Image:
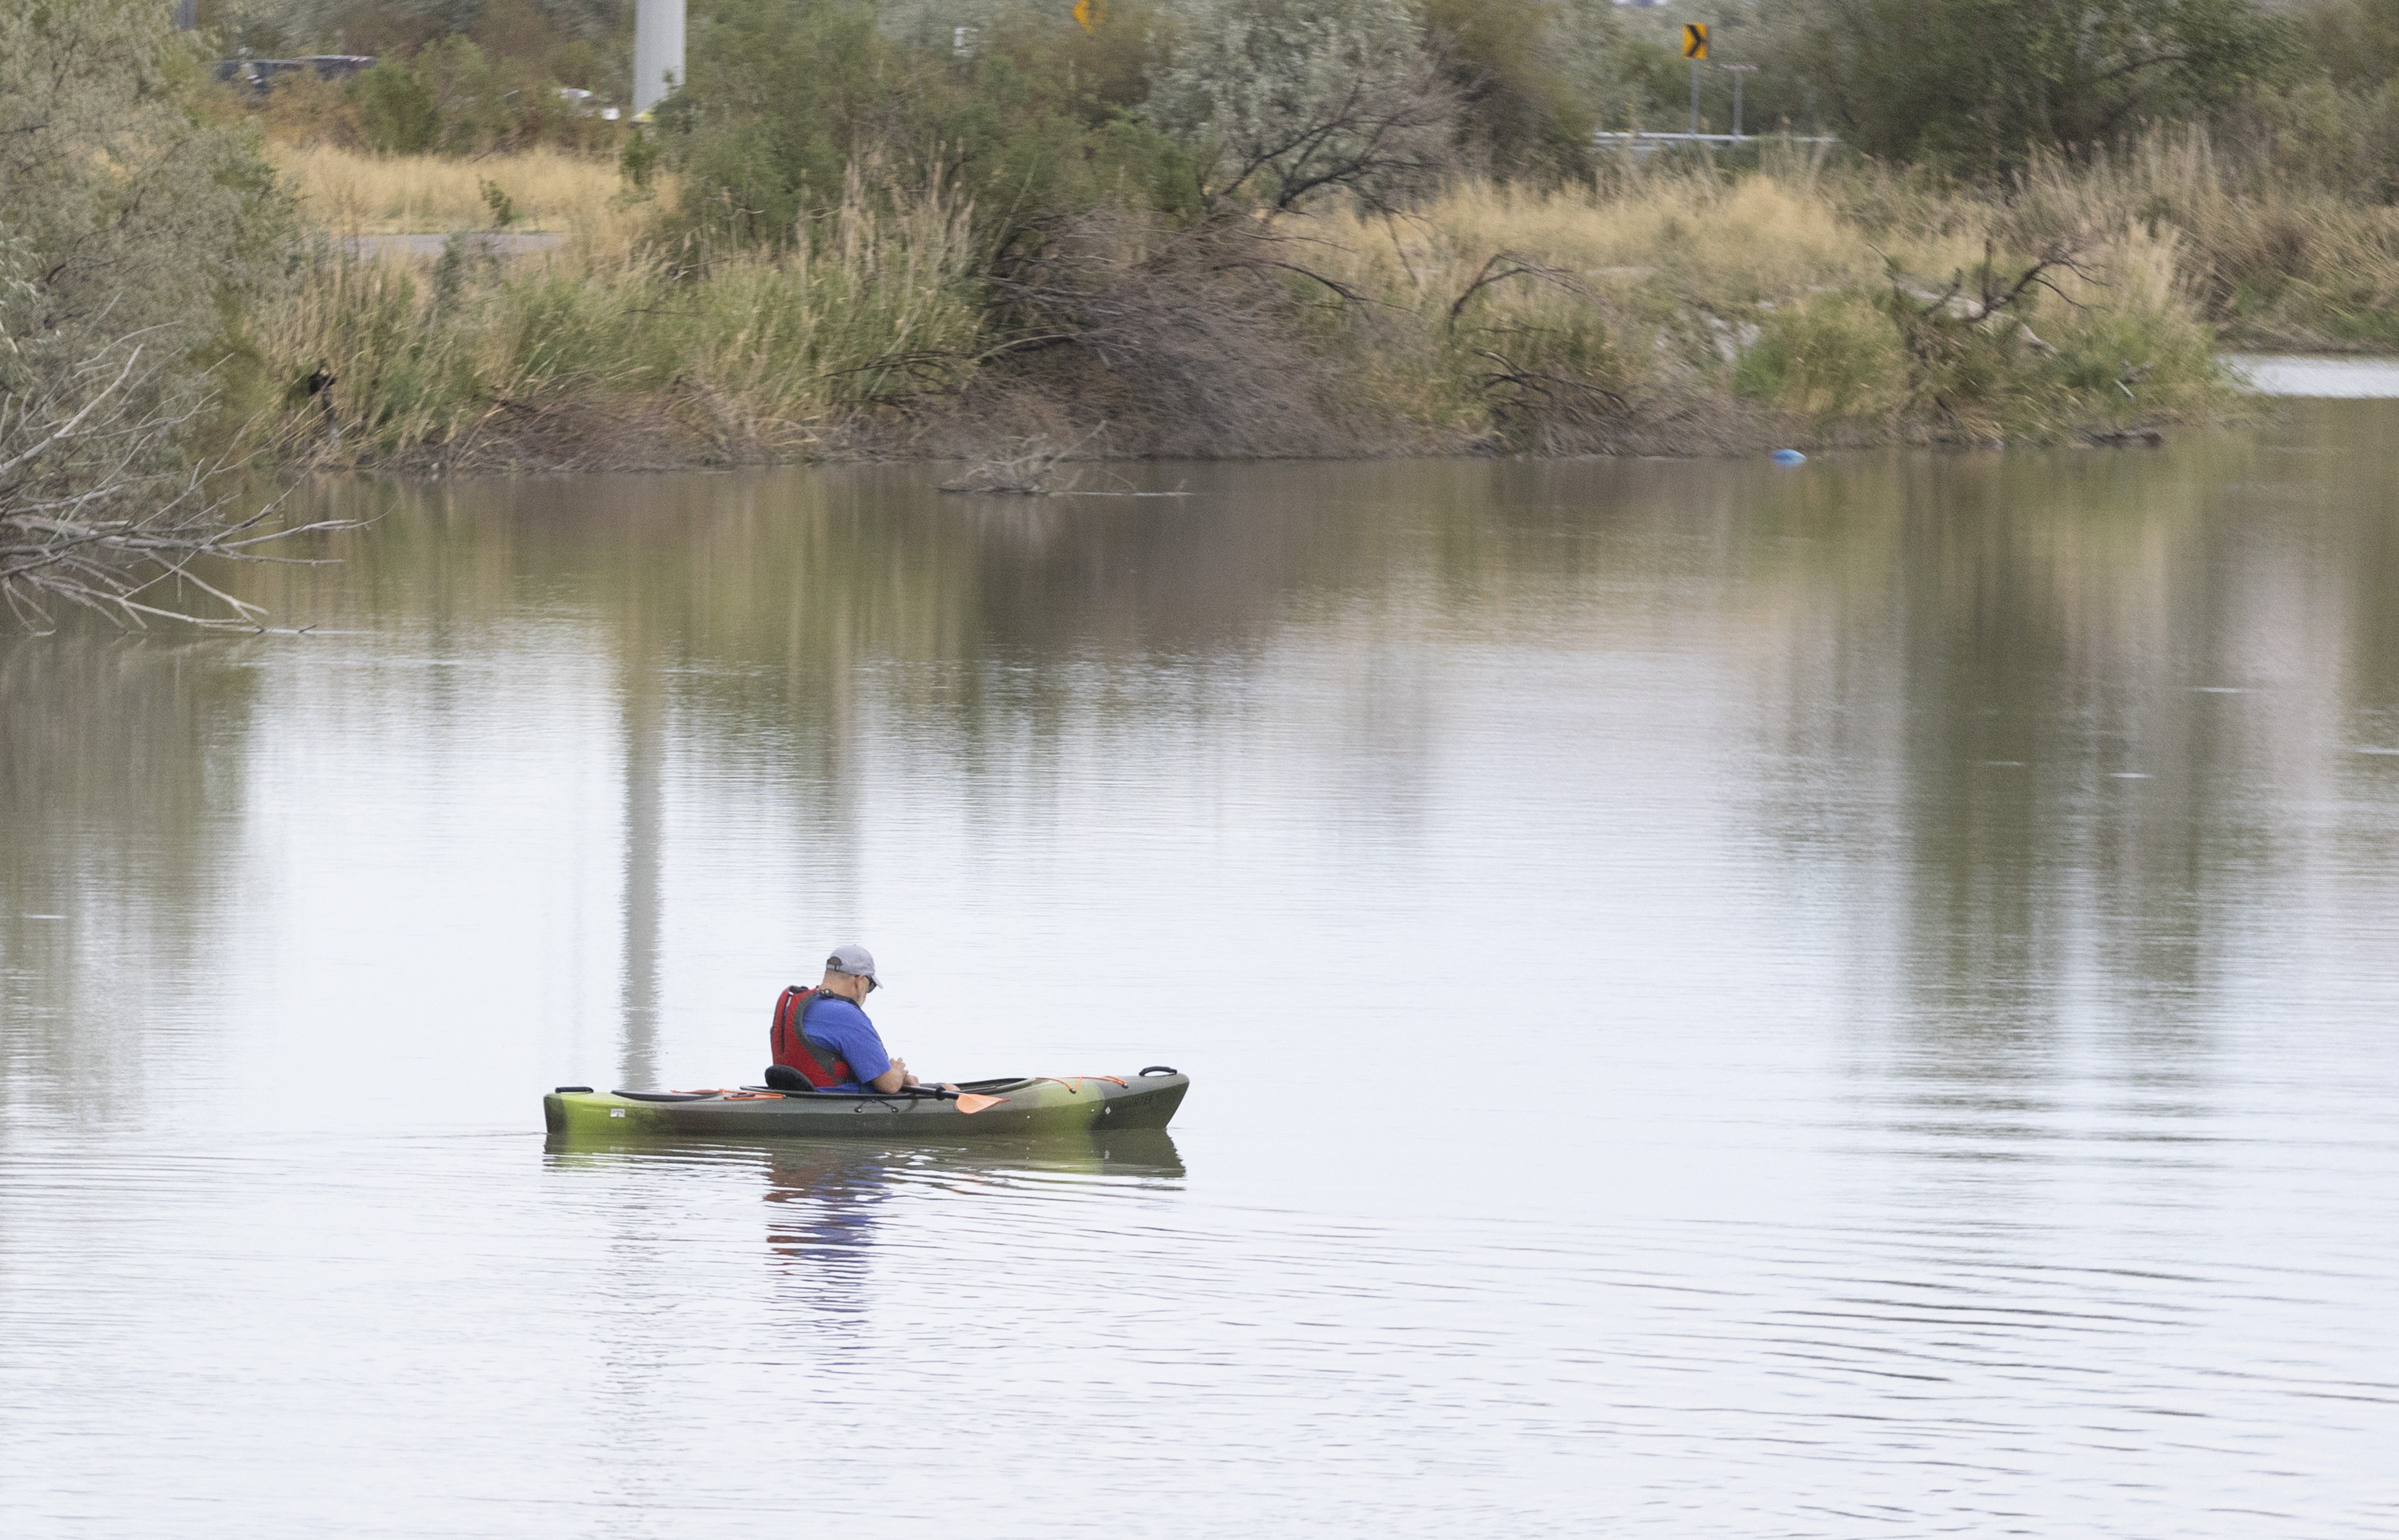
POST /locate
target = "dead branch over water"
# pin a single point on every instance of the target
(90, 518)
(1025, 468)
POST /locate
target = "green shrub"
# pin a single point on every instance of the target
(1827, 358)
(786, 96)
(1978, 85)
(1522, 115)
(397, 112)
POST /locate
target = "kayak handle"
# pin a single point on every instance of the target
(1161, 1069)
(565, 1091)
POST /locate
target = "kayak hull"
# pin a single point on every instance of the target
(1026, 1106)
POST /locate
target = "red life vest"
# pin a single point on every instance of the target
(818, 1066)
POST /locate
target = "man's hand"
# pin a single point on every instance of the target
(897, 1079)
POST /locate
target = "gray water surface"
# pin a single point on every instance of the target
(2337, 378)
(1722, 1002)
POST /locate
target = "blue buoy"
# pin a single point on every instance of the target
(1789, 457)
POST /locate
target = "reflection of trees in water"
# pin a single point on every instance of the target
(784, 639)
(120, 783)
(1980, 658)
(644, 755)
(2368, 493)
(1951, 656)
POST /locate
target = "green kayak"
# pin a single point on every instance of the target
(1035, 1105)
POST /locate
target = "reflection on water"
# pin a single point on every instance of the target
(2332, 379)
(1721, 1003)
(824, 1198)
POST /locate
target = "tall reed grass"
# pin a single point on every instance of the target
(2271, 259)
(1759, 303)
(593, 356)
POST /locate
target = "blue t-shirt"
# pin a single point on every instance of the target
(843, 1030)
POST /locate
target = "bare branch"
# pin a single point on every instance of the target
(67, 430)
(99, 509)
(1520, 266)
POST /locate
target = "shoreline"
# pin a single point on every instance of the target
(507, 458)
(954, 443)
(1682, 314)
(657, 439)
(493, 463)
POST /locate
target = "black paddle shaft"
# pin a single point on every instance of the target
(934, 1091)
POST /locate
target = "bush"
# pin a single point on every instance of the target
(132, 232)
(129, 211)
(1979, 84)
(1521, 116)
(1827, 358)
(786, 96)
(609, 355)
(397, 110)
(1291, 99)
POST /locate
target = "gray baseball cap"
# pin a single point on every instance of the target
(853, 960)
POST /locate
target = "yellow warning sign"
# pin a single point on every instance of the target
(1695, 37)
(1092, 14)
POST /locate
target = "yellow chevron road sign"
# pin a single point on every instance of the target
(1695, 39)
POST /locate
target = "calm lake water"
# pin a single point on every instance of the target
(1723, 1002)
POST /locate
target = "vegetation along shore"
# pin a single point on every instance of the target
(1212, 227)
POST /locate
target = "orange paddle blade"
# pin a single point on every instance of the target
(969, 1102)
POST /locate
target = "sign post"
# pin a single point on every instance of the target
(1737, 70)
(1695, 48)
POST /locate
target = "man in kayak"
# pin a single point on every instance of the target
(842, 1051)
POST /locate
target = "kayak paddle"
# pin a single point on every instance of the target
(969, 1102)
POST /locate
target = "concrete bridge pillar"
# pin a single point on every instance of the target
(658, 52)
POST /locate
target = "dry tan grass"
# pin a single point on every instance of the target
(1730, 242)
(347, 192)
(597, 356)
(1756, 236)
(1584, 318)
(2273, 259)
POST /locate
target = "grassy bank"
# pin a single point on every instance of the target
(347, 192)
(611, 350)
(1685, 312)
(1654, 311)
(2271, 259)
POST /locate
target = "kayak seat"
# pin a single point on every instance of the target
(782, 1077)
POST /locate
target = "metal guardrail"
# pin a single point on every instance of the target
(259, 74)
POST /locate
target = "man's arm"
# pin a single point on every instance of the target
(843, 1027)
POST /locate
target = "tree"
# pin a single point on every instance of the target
(130, 233)
(788, 97)
(1979, 84)
(1521, 117)
(1289, 98)
(2356, 42)
(98, 507)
